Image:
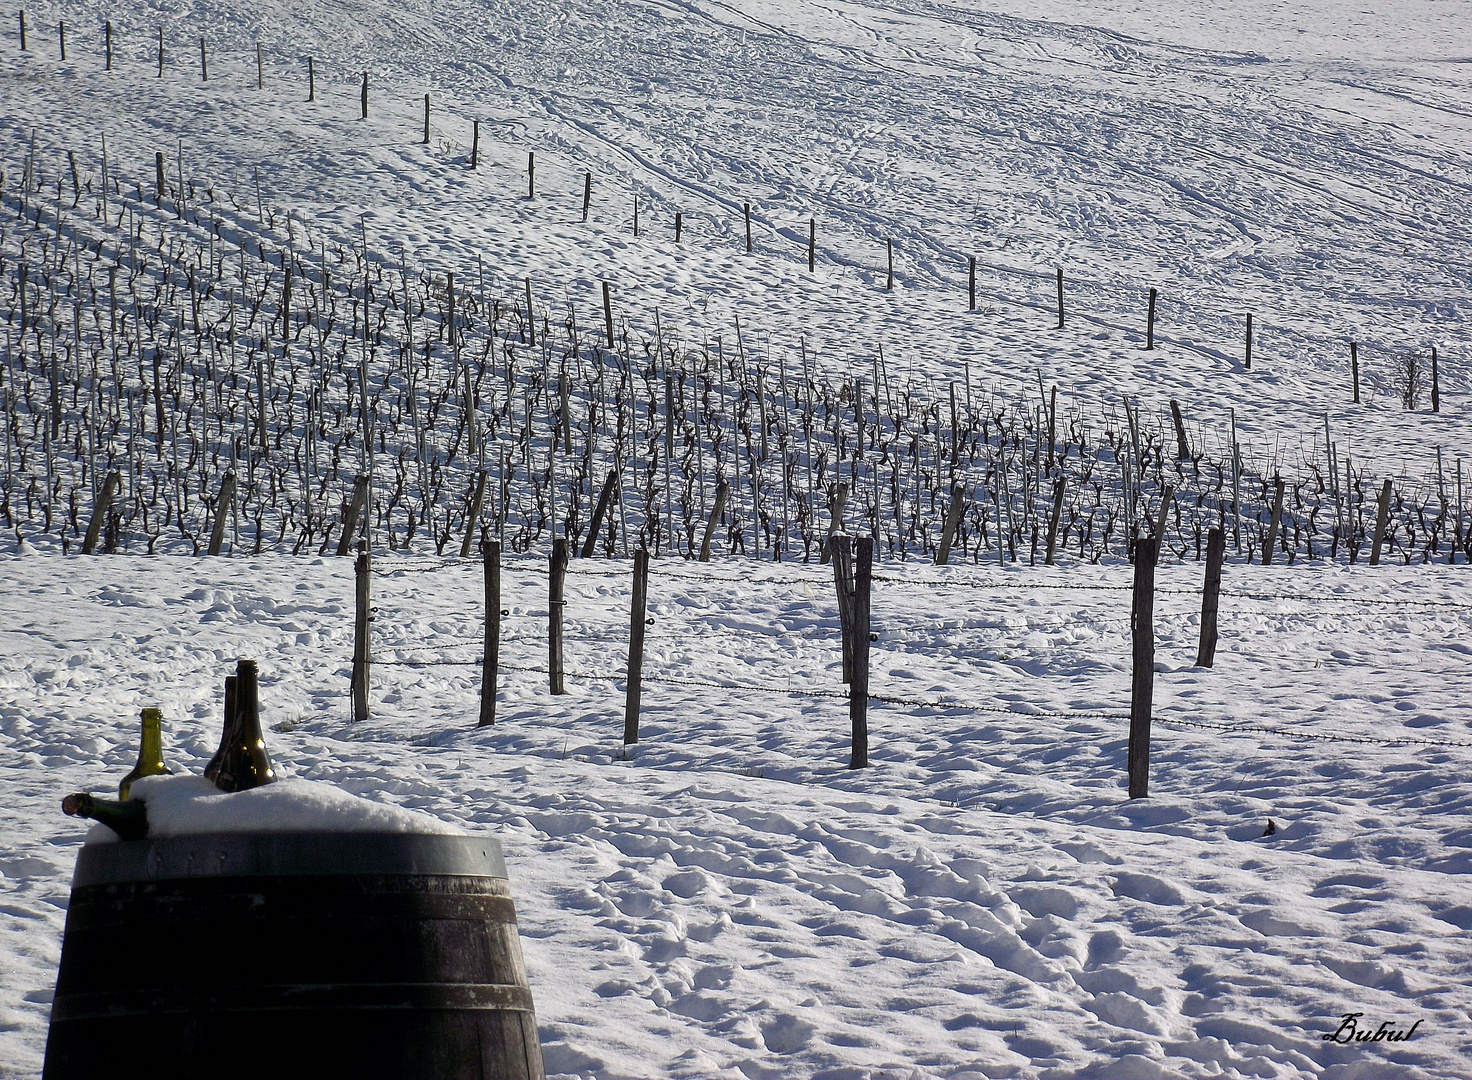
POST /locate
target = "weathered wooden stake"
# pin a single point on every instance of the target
(858, 687)
(636, 646)
(605, 499)
(812, 243)
(889, 254)
(953, 521)
(1060, 298)
(1216, 550)
(1382, 519)
(158, 180)
(678, 220)
(1435, 383)
(1142, 681)
(426, 119)
(160, 52)
(365, 96)
(1274, 523)
(723, 492)
(1247, 355)
(1166, 494)
(363, 617)
(1058, 488)
(835, 519)
(99, 512)
(1183, 447)
(474, 143)
(608, 316)
(350, 517)
(587, 193)
(491, 553)
(204, 67)
(531, 318)
(311, 79)
(472, 522)
(556, 592)
(222, 512)
(746, 210)
(107, 42)
(1150, 323)
(531, 175)
(22, 30)
(260, 68)
(1354, 369)
(636, 215)
(840, 548)
(971, 282)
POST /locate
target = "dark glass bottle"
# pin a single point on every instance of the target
(150, 753)
(227, 731)
(128, 819)
(245, 764)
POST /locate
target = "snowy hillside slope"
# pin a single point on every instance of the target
(730, 900)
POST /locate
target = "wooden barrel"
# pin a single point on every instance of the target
(324, 955)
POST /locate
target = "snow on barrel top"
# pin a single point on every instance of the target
(191, 805)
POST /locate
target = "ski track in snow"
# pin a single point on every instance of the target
(730, 901)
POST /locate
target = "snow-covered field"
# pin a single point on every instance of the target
(728, 899)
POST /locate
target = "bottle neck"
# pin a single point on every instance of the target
(151, 746)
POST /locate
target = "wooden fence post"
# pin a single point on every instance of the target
(858, 687)
(1142, 682)
(1058, 488)
(362, 651)
(636, 646)
(491, 552)
(723, 492)
(605, 498)
(1060, 298)
(608, 316)
(556, 592)
(1274, 522)
(1354, 369)
(99, 512)
(1216, 550)
(222, 512)
(952, 522)
(350, 517)
(843, 585)
(1382, 518)
(1150, 323)
(472, 522)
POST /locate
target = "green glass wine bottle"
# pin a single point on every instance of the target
(227, 731)
(245, 764)
(150, 753)
(128, 819)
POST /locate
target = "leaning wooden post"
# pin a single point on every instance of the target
(858, 687)
(608, 315)
(362, 653)
(1166, 494)
(1274, 523)
(835, 520)
(746, 211)
(843, 586)
(204, 68)
(636, 646)
(1183, 447)
(350, 517)
(1216, 550)
(222, 512)
(605, 499)
(1150, 323)
(1142, 683)
(556, 591)
(1058, 487)
(491, 551)
(952, 523)
(723, 492)
(472, 522)
(587, 193)
(99, 512)
(971, 282)
(365, 96)
(1382, 519)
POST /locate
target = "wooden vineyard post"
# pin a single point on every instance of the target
(491, 553)
(160, 52)
(608, 315)
(107, 42)
(204, 68)
(472, 522)
(1060, 298)
(812, 243)
(889, 254)
(835, 520)
(858, 687)
(362, 654)
(556, 592)
(1354, 369)
(587, 194)
(356, 506)
(311, 77)
(1142, 682)
(1150, 323)
(636, 646)
(1382, 519)
(746, 211)
(843, 585)
(605, 498)
(531, 175)
(531, 318)
(99, 512)
(953, 522)
(1166, 494)
(723, 492)
(636, 215)
(474, 143)
(365, 96)
(260, 68)
(971, 283)
(426, 119)
(1183, 447)
(22, 30)
(1247, 354)
(1435, 383)
(1058, 488)
(158, 176)
(1274, 522)
(679, 225)
(1216, 550)
(222, 512)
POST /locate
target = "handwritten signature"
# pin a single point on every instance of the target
(1353, 1029)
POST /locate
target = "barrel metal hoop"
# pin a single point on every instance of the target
(324, 996)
